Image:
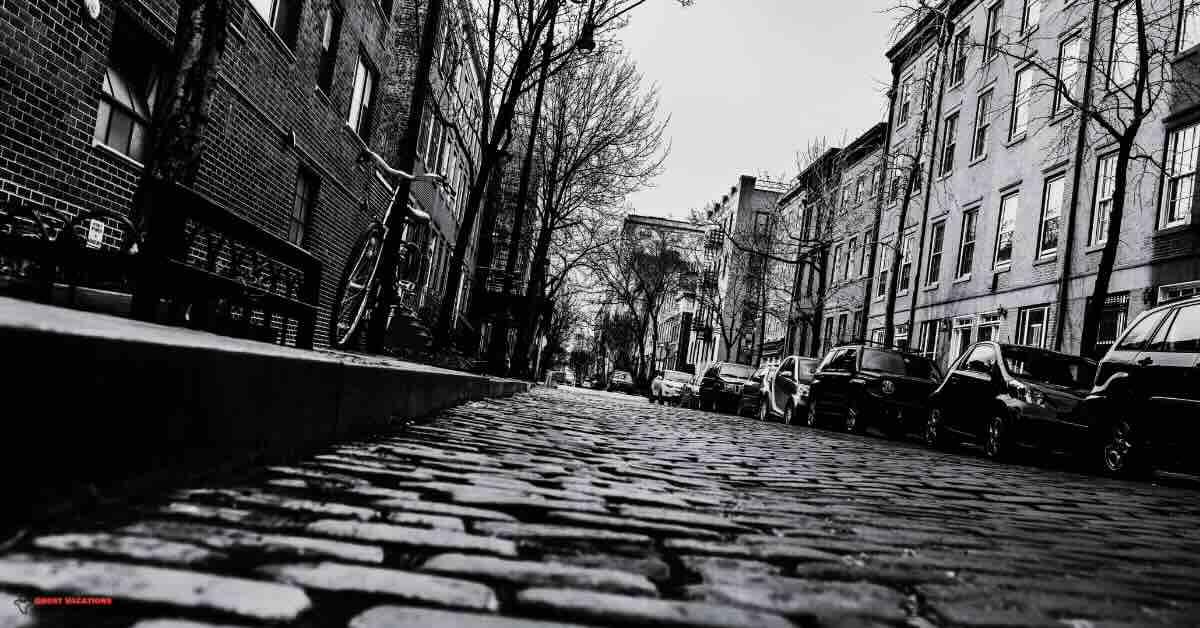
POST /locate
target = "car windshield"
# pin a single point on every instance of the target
(806, 367)
(676, 376)
(898, 364)
(1048, 368)
(740, 371)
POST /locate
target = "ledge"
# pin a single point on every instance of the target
(113, 401)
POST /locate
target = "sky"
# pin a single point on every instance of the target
(748, 83)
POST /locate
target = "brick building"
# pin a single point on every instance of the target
(298, 81)
(1010, 217)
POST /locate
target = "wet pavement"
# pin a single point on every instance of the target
(571, 507)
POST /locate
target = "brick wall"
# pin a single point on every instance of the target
(268, 118)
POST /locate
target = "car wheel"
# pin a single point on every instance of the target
(789, 413)
(995, 440)
(1119, 454)
(933, 433)
(853, 418)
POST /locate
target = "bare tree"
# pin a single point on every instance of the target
(504, 38)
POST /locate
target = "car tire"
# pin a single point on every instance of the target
(1118, 454)
(852, 418)
(996, 442)
(934, 432)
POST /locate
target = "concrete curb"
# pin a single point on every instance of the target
(95, 400)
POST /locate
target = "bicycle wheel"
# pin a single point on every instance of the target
(356, 287)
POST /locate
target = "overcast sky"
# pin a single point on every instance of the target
(748, 82)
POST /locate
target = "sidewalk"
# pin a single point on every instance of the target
(94, 402)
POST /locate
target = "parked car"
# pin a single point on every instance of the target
(564, 378)
(667, 386)
(1004, 396)
(749, 403)
(721, 385)
(785, 389)
(689, 392)
(1144, 410)
(621, 381)
(865, 384)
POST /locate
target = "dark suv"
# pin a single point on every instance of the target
(721, 385)
(865, 384)
(1003, 395)
(1144, 410)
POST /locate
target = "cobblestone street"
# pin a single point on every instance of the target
(572, 507)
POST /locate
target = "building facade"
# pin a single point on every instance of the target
(1009, 219)
(730, 322)
(300, 86)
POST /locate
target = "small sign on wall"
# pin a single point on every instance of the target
(95, 236)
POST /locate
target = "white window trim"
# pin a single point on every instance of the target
(1162, 290)
(1046, 253)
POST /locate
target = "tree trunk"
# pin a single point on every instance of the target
(531, 311)
(1108, 257)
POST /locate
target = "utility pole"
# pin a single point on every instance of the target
(405, 159)
(498, 346)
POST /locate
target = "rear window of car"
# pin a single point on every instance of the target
(1048, 368)
(806, 367)
(898, 364)
(737, 370)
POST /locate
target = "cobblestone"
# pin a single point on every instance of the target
(596, 509)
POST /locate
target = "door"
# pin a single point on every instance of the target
(1169, 379)
(972, 388)
(783, 385)
(835, 384)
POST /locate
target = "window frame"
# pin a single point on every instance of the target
(1171, 178)
(997, 264)
(905, 110)
(1022, 337)
(937, 246)
(1057, 103)
(303, 206)
(973, 213)
(1181, 45)
(905, 263)
(983, 122)
(362, 122)
(1097, 228)
(1061, 179)
(288, 32)
(1020, 103)
(949, 144)
(993, 31)
(960, 53)
(1030, 18)
(1112, 82)
(328, 46)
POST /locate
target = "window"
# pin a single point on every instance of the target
(981, 360)
(1123, 61)
(302, 205)
(862, 255)
(875, 172)
(828, 334)
(905, 263)
(1052, 200)
(1183, 147)
(900, 336)
(928, 80)
(1178, 290)
(877, 335)
(1031, 14)
(1022, 86)
(885, 265)
(1112, 320)
(1068, 73)
(1031, 326)
(949, 144)
(992, 43)
(966, 245)
(846, 360)
(958, 68)
(833, 268)
(960, 336)
(929, 339)
(937, 235)
(850, 250)
(1106, 175)
(1137, 335)
(1183, 335)
(841, 332)
(983, 124)
(989, 326)
(1009, 205)
(127, 97)
(905, 98)
(281, 16)
(449, 53)
(1189, 25)
(330, 34)
(760, 225)
(362, 98)
(856, 324)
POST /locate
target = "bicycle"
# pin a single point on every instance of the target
(32, 242)
(359, 283)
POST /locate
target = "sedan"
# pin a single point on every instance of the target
(750, 402)
(1004, 396)
(785, 390)
(667, 386)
